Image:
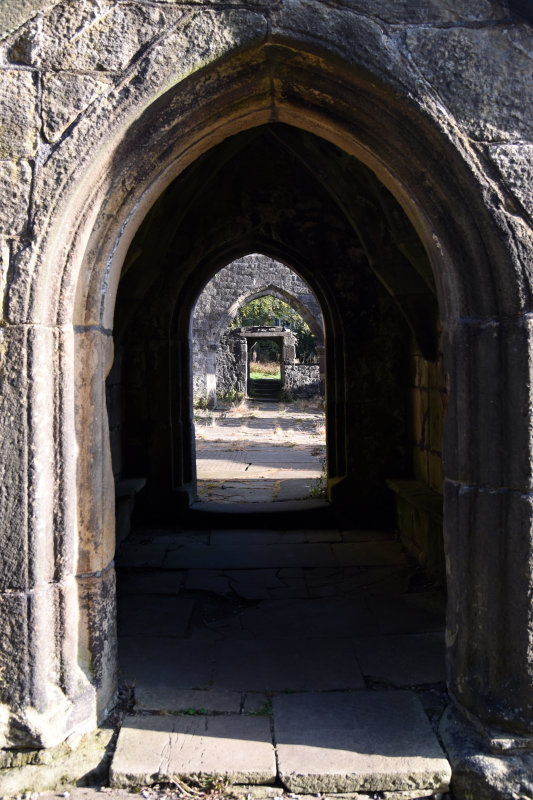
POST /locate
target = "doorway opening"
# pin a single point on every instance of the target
(258, 391)
(336, 596)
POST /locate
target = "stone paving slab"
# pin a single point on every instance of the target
(167, 698)
(154, 615)
(207, 580)
(139, 581)
(249, 557)
(351, 581)
(254, 584)
(368, 553)
(419, 612)
(295, 488)
(281, 665)
(135, 554)
(403, 660)
(236, 748)
(331, 617)
(358, 741)
(181, 663)
(240, 537)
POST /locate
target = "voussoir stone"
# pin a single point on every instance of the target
(91, 36)
(465, 54)
(66, 95)
(515, 163)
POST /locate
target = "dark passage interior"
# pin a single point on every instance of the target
(346, 596)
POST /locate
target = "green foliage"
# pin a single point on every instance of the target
(286, 396)
(269, 370)
(270, 311)
(319, 487)
(264, 711)
(193, 712)
(201, 402)
(231, 396)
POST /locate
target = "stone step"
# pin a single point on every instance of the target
(153, 748)
(359, 741)
(367, 741)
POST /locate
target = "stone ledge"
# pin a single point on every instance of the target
(419, 512)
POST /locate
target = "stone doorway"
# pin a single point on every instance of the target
(394, 186)
(258, 402)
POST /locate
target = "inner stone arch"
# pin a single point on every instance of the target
(235, 285)
(270, 193)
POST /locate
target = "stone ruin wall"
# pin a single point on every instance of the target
(231, 360)
(76, 80)
(232, 287)
(302, 380)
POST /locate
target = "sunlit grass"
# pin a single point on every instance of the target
(268, 370)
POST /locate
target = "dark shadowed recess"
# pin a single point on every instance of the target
(297, 198)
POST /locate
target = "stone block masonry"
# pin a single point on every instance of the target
(248, 278)
(384, 151)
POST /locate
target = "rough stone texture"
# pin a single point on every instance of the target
(231, 368)
(66, 95)
(477, 772)
(18, 112)
(426, 109)
(98, 35)
(14, 652)
(15, 185)
(515, 163)
(231, 288)
(302, 380)
(79, 761)
(371, 741)
(97, 653)
(236, 748)
(465, 54)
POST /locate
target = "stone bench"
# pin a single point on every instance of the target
(419, 513)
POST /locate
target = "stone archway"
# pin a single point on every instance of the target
(470, 211)
(231, 288)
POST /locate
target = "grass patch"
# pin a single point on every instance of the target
(269, 370)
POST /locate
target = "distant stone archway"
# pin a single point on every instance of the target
(234, 286)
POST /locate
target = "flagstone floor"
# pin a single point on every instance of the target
(260, 452)
(310, 658)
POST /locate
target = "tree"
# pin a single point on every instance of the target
(269, 311)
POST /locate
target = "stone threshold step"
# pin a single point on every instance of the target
(336, 742)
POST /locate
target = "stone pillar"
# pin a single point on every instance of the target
(95, 574)
(211, 375)
(58, 652)
(488, 522)
(321, 352)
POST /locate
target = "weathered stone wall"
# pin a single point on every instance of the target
(232, 287)
(429, 398)
(302, 380)
(231, 364)
(411, 127)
